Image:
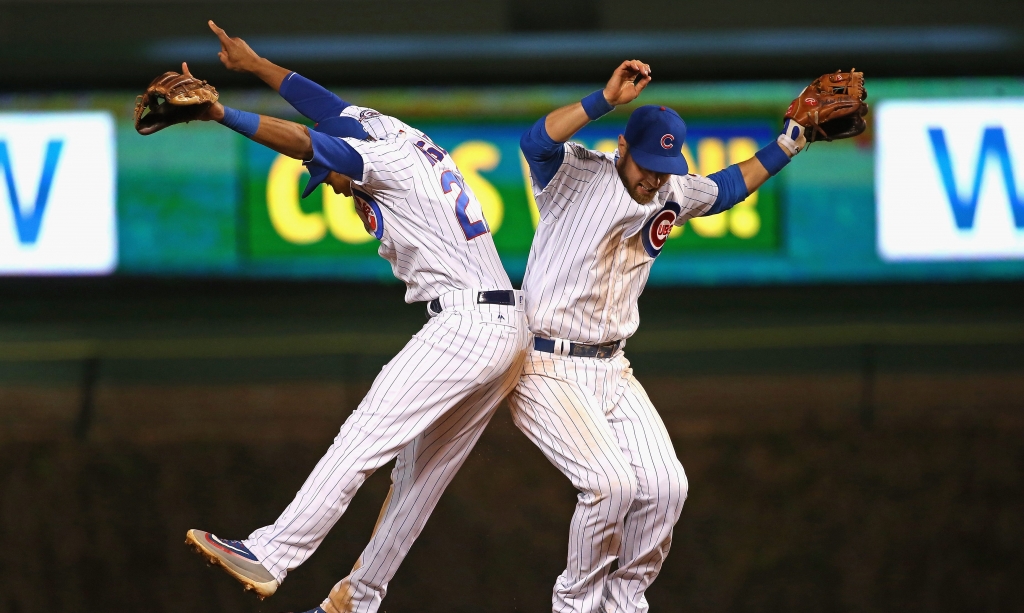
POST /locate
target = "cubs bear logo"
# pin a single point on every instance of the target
(369, 211)
(368, 114)
(655, 232)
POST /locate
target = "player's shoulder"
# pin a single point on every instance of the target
(579, 151)
(587, 160)
(379, 126)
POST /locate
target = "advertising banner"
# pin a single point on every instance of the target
(947, 179)
(57, 193)
(325, 224)
(929, 192)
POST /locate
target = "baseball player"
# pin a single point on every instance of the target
(604, 220)
(429, 405)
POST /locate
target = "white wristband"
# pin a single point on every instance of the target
(792, 138)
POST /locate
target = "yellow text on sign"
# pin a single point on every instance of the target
(299, 227)
(473, 157)
(339, 216)
(713, 155)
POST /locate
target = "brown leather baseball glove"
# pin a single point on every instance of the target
(832, 107)
(172, 98)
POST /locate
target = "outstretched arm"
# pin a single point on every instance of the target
(285, 137)
(307, 97)
(542, 144)
(282, 136)
(738, 181)
(237, 55)
(625, 85)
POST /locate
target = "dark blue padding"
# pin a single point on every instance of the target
(543, 154)
(731, 189)
(546, 345)
(337, 155)
(310, 98)
(497, 296)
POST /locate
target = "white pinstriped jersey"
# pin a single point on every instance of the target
(594, 246)
(413, 199)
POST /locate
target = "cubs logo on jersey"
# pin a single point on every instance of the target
(655, 232)
(369, 211)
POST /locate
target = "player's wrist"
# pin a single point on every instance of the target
(255, 65)
(596, 105)
(215, 112)
(243, 122)
(773, 157)
(792, 139)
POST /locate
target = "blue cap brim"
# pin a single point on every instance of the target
(675, 165)
(317, 174)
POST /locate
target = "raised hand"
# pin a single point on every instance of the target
(212, 112)
(628, 80)
(234, 53)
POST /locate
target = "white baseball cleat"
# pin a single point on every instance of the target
(236, 559)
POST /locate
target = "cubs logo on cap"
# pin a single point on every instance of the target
(655, 232)
(655, 135)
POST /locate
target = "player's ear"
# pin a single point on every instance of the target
(623, 147)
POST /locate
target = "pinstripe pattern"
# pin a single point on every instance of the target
(593, 420)
(428, 407)
(423, 240)
(423, 471)
(430, 404)
(588, 265)
(590, 260)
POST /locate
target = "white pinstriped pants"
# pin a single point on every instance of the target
(428, 407)
(594, 421)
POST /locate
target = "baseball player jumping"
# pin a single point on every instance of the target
(429, 405)
(604, 220)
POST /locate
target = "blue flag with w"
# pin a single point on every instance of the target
(993, 144)
(28, 224)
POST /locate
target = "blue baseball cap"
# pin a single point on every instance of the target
(655, 135)
(341, 127)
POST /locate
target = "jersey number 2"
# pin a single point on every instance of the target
(472, 229)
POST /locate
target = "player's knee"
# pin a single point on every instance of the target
(620, 488)
(673, 488)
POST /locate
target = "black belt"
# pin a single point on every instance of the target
(506, 297)
(579, 350)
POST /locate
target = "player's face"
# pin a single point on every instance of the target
(642, 184)
(340, 183)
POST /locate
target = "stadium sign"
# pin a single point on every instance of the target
(57, 193)
(947, 177)
(281, 225)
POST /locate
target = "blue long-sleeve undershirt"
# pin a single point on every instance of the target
(334, 153)
(310, 98)
(544, 155)
(731, 189)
